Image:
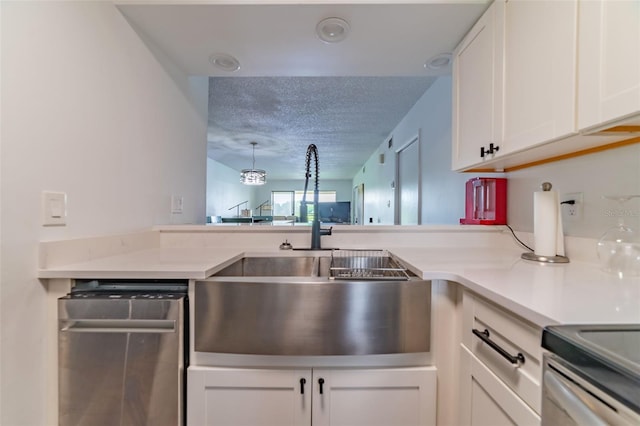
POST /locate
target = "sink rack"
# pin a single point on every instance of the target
(366, 265)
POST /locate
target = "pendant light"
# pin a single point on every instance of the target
(253, 176)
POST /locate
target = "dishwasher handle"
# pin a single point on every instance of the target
(570, 402)
(118, 326)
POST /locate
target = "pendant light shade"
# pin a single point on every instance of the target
(253, 176)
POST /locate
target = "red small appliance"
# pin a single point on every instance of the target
(486, 202)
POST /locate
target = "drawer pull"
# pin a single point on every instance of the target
(484, 336)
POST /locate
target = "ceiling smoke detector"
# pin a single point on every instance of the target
(224, 62)
(438, 62)
(332, 30)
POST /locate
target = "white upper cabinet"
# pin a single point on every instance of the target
(609, 62)
(477, 91)
(544, 79)
(540, 45)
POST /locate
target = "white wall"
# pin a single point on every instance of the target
(224, 190)
(1, 207)
(612, 172)
(87, 110)
(442, 190)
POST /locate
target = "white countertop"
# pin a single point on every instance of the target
(573, 293)
(161, 263)
(544, 294)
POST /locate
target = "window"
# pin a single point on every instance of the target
(287, 203)
(282, 203)
(323, 197)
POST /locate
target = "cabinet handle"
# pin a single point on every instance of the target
(484, 336)
(492, 148)
(320, 383)
(302, 382)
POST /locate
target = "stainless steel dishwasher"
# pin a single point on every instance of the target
(591, 375)
(121, 353)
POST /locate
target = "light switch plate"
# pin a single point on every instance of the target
(54, 208)
(176, 204)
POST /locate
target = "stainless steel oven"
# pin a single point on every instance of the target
(591, 375)
(122, 358)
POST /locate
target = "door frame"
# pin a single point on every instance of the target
(358, 205)
(396, 213)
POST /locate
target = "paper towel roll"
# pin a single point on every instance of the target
(545, 222)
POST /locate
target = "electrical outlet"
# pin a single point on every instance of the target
(572, 206)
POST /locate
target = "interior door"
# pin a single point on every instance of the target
(358, 205)
(408, 184)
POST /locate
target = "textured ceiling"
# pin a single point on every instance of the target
(346, 117)
(292, 89)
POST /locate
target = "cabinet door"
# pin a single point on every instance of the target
(608, 61)
(234, 397)
(540, 72)
(486, 401)
(477, 89)
(374, 397)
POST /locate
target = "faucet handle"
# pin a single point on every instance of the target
(286, 245)
(326, 231)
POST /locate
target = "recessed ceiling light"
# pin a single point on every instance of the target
(225, 62)
(438, 62)
(332, 30)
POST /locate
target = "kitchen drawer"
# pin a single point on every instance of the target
(515, 336)
(486, 400)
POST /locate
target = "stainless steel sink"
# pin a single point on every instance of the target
(290, 306)
(280, 266)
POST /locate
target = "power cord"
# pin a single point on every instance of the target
(518, 239)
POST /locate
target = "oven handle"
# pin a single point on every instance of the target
(577, 410)
(118, 326)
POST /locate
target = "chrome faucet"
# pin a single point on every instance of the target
(316, 230)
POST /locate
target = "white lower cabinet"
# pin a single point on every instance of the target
(486, 400)
(257, 397)
(322, 397)
(500, 366)
(375, 397)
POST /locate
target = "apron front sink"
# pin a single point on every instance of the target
(311, 315)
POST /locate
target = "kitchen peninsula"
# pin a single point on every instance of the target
(488, 263)
(476, 271)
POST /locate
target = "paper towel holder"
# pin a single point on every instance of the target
(546, 186)
(546, 259)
